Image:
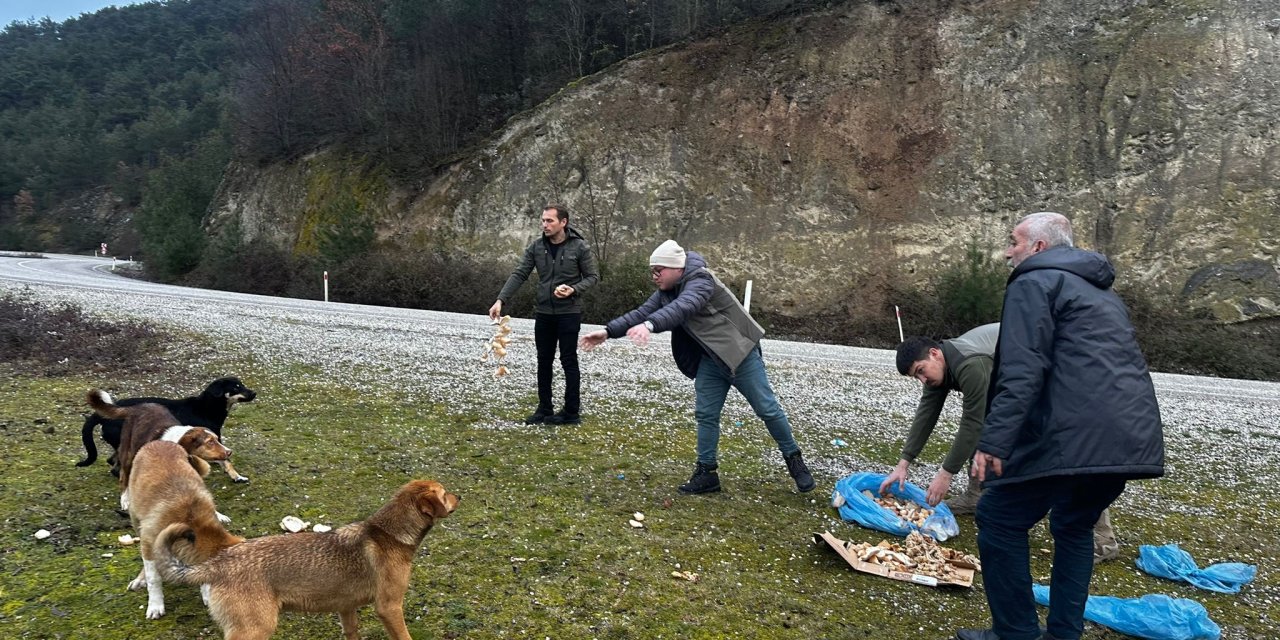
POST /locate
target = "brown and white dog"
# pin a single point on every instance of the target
(165, 488)
(209, 409)
(361, 563)
(146, 422)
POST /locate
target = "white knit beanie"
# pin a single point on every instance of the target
(668, 254)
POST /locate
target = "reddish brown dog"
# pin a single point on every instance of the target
(360, 563)
(147, 422)
(166, 487)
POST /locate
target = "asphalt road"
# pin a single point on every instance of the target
(97, 274)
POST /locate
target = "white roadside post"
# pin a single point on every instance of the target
(746, 298)
(898, 313)
(326, 286)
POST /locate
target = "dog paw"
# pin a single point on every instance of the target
(240, 479)
(154, 612)
(222, 518)
(137, 584)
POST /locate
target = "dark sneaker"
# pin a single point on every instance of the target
(799, 472)
(564, 417)
(988, 634)
(704, 480)
(539, 416)
(976, 634)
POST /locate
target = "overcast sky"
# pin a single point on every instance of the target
(56, 10)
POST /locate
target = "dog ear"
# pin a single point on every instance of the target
(431, 501)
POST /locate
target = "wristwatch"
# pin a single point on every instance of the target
(648, 325)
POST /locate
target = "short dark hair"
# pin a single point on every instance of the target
(562, 212)
(913, 350)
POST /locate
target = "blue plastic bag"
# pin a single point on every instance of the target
(1153, 616)
(1170, 561)
(856, 507)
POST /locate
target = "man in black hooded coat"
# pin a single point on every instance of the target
(1071, 416)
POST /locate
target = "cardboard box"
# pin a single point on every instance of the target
(964, 570)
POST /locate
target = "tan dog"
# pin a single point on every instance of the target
(361, 563)
(167, 488)
(147, 422)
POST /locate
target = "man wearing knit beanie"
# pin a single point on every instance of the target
(668, 254)
(717, 343)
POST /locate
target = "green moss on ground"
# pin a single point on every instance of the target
(540, 545)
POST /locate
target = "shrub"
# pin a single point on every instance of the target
(1179, 341)
(56, 340)
(958, 298)
(258, 266)
(624, 285)
(423, 279)
(971, 293)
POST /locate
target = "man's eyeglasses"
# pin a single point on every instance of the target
(657, 271)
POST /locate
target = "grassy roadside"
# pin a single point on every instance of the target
(540, 546)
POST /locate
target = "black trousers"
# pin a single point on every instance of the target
(548, 332)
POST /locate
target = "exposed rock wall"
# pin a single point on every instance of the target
(813, 149)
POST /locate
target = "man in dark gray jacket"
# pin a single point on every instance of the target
(1071, 417)
(717, 343)
(566, 270)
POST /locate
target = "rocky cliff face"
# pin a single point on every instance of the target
(813, 149)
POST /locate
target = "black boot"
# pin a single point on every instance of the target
(799, 472)
(704, 480)
(540, 415)
(564, 417)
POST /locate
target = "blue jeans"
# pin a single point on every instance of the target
(1005, 514)
(711, 387)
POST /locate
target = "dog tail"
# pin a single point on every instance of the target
(86, 434)
(104, 406)
(171, 568)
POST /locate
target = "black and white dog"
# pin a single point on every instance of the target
(209, 410)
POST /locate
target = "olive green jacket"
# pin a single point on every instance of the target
(573, 265)
(968, 370)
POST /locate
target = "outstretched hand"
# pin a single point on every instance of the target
(592, 340)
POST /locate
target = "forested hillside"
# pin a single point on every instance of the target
(102, 100)
(136, 109)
